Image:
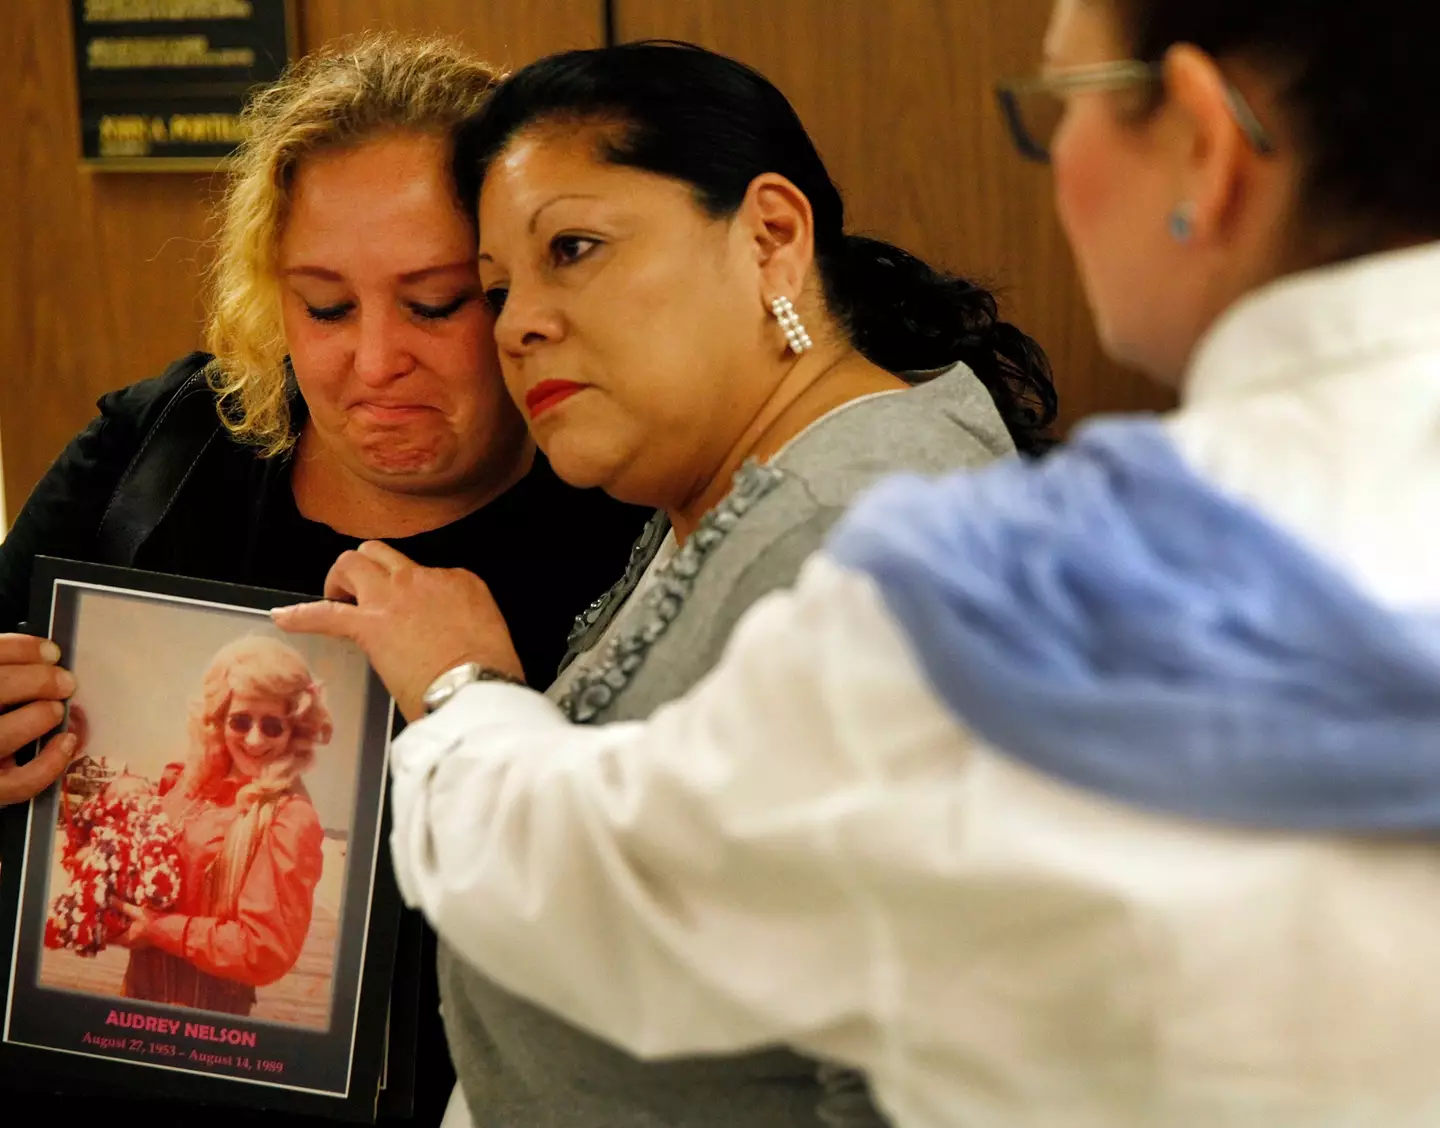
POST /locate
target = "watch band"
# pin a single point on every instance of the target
(448, 684)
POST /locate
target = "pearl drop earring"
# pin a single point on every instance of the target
(795, 336)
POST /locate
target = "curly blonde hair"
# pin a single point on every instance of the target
(256, 665)
(347, 93)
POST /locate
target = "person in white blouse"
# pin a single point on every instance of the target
(1101, 791)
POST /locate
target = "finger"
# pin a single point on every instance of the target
(354, 577)
(24, 781)
(77, 724)
(34, 683)
(27, 724)
(77, 720)
(25, 650)
(335, 620)
(391, 559)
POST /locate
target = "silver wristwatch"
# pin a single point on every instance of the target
(453, 680)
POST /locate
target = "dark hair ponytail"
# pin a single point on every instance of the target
(716, 124)
(905, 316)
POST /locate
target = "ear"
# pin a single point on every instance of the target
(1214, 157)
(777, 220)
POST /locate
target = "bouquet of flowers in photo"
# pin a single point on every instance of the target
(119, 848)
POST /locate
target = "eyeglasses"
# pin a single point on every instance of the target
(271, 726)
(1034, 107)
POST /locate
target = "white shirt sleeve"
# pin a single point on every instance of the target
(679, 885)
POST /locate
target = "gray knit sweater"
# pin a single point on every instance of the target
(520, 1067)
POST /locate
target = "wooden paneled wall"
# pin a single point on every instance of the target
(898, 97)
(101, 272)
(509, 33)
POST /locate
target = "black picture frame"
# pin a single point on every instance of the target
(92, 1040)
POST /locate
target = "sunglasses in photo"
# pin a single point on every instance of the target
(271, 726)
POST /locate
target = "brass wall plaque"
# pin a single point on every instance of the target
(162, 81)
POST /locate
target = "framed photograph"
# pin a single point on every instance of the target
(203, 903)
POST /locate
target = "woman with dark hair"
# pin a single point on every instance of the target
(1096, 791)
(713, 126)
(688, 326)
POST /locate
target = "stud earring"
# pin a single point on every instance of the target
(1182, 222)
(795, 336)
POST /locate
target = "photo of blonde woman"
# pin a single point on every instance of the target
(225, 768)
(248, 835)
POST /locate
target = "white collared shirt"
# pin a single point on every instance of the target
(808, 848)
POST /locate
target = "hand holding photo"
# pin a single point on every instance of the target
(413, 623)
(34, 690)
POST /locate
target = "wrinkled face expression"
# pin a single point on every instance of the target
(630, 325)
(1115, 192)
(257, 732)
(389, 337)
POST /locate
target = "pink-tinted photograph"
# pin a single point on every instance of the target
(199, 884)
(203, 837)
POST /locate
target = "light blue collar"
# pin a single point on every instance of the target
(1109, 618)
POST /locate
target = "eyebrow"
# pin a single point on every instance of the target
(327, 275)
(538, 212)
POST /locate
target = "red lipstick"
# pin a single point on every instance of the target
(548, 393)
